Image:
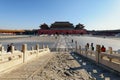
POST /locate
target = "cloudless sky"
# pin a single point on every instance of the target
(29, 14)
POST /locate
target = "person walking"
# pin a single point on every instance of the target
(92, 47)
(87, 45)
(8, 48)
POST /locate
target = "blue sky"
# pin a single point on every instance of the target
(29, 14)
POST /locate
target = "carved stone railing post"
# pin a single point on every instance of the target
(110, 50)
(76, 45)
(24, 50)
(32, 48)
(86, 51)
(2, 49)
(12, 49)
(79, 49)
(37, 48)
(46, 46)
(98, 51)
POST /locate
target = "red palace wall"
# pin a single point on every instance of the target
(40, 31)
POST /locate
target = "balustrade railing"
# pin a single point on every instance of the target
(15, 57)
(108, 58)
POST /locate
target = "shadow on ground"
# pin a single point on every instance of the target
(96, 71)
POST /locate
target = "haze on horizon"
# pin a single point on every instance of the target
(29, 14)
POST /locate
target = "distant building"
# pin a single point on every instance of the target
(44, 26)
(62, 28)
(105, 32)
(4, 31)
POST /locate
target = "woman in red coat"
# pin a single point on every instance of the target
(103, 49)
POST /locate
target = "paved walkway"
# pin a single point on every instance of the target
(27, 71)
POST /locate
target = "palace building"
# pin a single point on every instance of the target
(62, 28)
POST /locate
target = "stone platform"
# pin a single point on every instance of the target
(62, 65)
